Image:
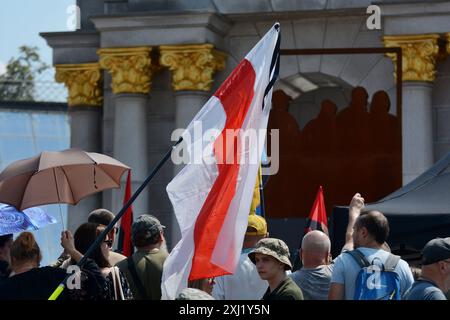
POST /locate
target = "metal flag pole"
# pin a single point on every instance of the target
(102, 235)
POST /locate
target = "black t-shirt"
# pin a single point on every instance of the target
(40, 283)
(286, 290)
(4, 269)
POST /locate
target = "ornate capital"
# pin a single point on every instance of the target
(419, 54)
(131, 68)
(447, 42)
(83, 82)
(192, 66)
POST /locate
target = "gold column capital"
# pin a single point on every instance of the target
(131, 68)
(83, 81)
(447, 42)
(419, 55)
(192, 66)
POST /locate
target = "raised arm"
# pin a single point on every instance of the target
(354, 210)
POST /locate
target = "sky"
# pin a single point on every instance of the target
(21, 21)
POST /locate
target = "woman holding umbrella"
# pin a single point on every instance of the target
(28, 281)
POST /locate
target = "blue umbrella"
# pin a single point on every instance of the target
(13, 221)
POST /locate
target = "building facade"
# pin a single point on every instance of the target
(137, 70)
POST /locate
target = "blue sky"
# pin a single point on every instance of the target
(22, 20)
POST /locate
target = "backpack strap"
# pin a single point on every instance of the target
(359, 258)
(391, 262)
(137, 281)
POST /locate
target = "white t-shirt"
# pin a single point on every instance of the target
(244, 284)
(346, 270)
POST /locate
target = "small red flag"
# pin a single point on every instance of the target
(125, 245)
(318, 216)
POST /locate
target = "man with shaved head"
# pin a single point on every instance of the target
(367, 233)
(315, 275)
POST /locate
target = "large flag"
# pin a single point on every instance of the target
(125, 245)
(211, 198)
(318, 216)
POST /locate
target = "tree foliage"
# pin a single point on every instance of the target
(19, 80)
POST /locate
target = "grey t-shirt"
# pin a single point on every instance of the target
(424, 290)
(315, 283)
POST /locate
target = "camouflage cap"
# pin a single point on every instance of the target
(193, 294)
(146, 224)
(272, 247)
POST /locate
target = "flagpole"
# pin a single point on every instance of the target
(111, 225)
(261, 194)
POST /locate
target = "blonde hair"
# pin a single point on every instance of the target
(25, 248)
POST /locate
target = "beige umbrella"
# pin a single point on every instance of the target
(58, 177)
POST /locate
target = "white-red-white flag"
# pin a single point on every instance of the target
(212, 197)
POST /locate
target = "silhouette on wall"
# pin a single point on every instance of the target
(351, 151)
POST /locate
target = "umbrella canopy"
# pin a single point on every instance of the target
(58, 177)
(13, 221)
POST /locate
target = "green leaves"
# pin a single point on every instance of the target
(19, 80)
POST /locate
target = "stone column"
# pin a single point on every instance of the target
(192, 67)
(131, 73)
(419, 54)
(84, 83)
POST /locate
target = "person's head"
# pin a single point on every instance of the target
(193, 294)
(205, 284)
(328, 109)
(85, 236)
(315, 250)
(25, 250)
(271, 257)
(416, 272)
(359, 98)
(371, 229)
(104, 217)
(380, 103)
(281, 100)
(147, 231)
(5, 247)
(436, 262)
(256, 230)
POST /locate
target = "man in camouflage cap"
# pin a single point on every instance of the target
(144, 268)
(271, 257)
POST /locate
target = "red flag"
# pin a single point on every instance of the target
(125, 245)
(318, 216)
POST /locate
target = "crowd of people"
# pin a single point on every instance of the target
(365, 269)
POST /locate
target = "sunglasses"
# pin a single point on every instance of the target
(109, 243)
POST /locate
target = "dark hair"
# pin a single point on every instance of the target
(145, 238)
(101, 216)
(25, 248)
(376, 224)
(84, 237)
(4, 239)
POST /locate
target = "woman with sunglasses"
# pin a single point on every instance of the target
(116, 287)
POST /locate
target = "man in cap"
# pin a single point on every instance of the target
(144, 268)
(434, 281)
(271, 257)
(244, 284)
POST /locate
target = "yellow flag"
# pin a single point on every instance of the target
(256, 200)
